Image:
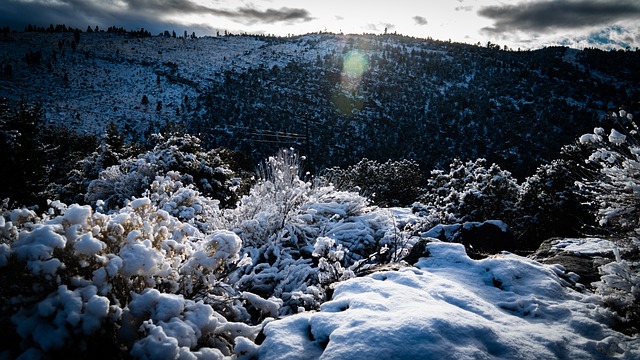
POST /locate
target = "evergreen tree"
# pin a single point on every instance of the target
(393, 183)
(24, 170)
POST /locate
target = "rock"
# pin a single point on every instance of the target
(574, 256)
(479, 238)
(418, 251)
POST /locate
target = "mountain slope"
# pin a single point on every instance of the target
(337, 98)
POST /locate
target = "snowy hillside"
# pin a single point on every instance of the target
(337, 98)
(104, 78)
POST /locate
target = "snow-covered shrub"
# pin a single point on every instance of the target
(74, 276)
(184, 202)
(393, 183)
(119, 183)
(472, 192)
(613, 188)
(176, 327)
(284, 220)
(619, 285)
(208, 171)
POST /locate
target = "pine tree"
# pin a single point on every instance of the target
(23, 168)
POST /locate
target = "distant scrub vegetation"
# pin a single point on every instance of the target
(49, 163)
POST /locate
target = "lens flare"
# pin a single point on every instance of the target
(355, 63)
(346, 97)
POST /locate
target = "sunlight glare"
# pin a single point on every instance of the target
(355, 63)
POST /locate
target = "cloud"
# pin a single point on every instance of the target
(251, 16)
(464, 8)
(133, 13)
(549, 16)
(379, 26)
(420, 20)
(614, 37)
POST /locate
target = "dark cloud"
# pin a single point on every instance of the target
(420, 20)
(132, 13)
(547, 16)
(250, 15)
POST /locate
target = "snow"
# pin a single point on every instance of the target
(590, 138)
(447, 231)
(586, 246)
(88, 245)
(160, 306)
(140, 259)
(452, 306)
(140, 203)
(177, 288)
(77, 214)
(615, 137)
(39, 243)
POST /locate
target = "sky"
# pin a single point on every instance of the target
(526, 24)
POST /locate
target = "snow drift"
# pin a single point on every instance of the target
(450, 306)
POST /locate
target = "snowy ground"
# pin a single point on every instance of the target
(450, 306)
(446, 305)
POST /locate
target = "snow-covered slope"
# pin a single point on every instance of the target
(104, 78)
(412, 98)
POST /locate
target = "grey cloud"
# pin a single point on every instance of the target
(371, 27)
(420, 20)
(134, 13)
(464, 8)
(546, 16)
(379, 26)
(250, 15)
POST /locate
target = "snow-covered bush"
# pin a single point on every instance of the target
(619, 286)
(393, 183)
(127, 278)
(302, 237)
(472, 192)
(172, 274)
(208, 171)
(613, 188)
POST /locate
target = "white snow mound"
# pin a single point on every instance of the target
(450, 306)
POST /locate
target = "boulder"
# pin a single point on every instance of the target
(479, 238)
(579, 256)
